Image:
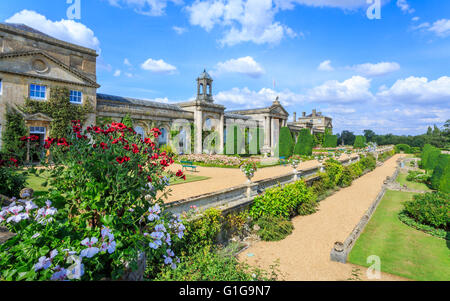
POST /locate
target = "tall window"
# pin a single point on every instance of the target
(38, 91)
(1, 86)
(76, 97)
(140, 131)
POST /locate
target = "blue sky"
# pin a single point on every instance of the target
(390, 74)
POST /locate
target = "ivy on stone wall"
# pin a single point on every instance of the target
(15, 129)
(59, 108)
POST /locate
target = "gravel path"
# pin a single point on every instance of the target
(221, 178)
(305, 254)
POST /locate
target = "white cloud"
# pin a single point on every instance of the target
(126, 62)
(244, 65)
(179, 30)
(66, 30)
(244, 21)
(117, 73)
(146, 7)
(415, 19)
(129, 75)
(344, 4)
(441, 28)
(355, 89)
(404, 6)
(325, 66)
(418, 90)
(158, 66)
(369, 69)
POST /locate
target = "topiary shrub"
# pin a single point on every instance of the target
(304, 143)
(403, 148)
(430, 209)
(274, 228)
(432, 160)
(330, 140)
(425, 154)
(360, 142)
(286, 142)
(440, 180)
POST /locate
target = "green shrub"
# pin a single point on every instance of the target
(431, 209)
(334, 170)
(368, 162)
(286, 142)
(168, 149)
(12, 181)
(203, 231)
(386, 155)
(304, 143)
(330, 140)
(274, 228)
(360, 142)
(208, 265)
(417, 176)
(403, 148)
(425, 154)
(126, 120)
(346, 178)
(432, 160)
(307, 208)
(355, 170)
(281, 201)
(440, 180)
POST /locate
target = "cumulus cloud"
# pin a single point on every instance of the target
(244, 21)
(383, 68)
(244, 65)
(325, 66)
(441, 28)
(158, 66)
(418, 90)
(117, 73)
(146, 7)
(343, 4)
(126, 62)
(66, 30)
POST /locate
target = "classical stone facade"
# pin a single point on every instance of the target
(315, 122)
(31, 63)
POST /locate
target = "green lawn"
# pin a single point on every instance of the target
(403, 250)
(35, 182)
(411, 185)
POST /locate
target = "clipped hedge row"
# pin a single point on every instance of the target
(305, 142)
(286, 142)
(440, 180)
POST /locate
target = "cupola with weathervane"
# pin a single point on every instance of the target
(204, 87)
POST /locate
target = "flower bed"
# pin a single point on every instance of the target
(217, 160)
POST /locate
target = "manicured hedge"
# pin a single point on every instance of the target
(360, 142)
(425, 154)
(330, 141)
(440, 180)
(304, 144)
(286, 142)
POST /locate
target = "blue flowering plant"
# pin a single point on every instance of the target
(101, 210)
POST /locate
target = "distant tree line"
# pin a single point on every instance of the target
(435, 136)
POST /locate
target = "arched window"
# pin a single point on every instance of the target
(163, 137)
(209, 89)
(208, 124)
(201, 89)
(140, 131)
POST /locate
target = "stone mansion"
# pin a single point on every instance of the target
(31, 63)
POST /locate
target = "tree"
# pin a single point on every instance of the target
(304, 144)
(370, 135)
(347, 137)
(15, 129)
(286, 142)
(429, 131)
(360, 142)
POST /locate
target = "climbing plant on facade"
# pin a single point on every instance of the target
(59, 108)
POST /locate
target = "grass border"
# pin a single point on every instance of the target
(409, 221)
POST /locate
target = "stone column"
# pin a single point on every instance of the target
(272, 135)
(198, 120)
(221, 134)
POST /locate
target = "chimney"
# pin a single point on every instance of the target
(295, 116)
(303, 114)
(314, 113)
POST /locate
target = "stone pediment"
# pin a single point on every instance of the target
(278, 110)
(41, 65)
(38, 117)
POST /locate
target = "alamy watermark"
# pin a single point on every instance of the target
(74, 9)
(374, 271)
(374, 10)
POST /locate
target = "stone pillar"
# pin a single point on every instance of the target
(198, 120)
(221, 134)
(273, 128)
